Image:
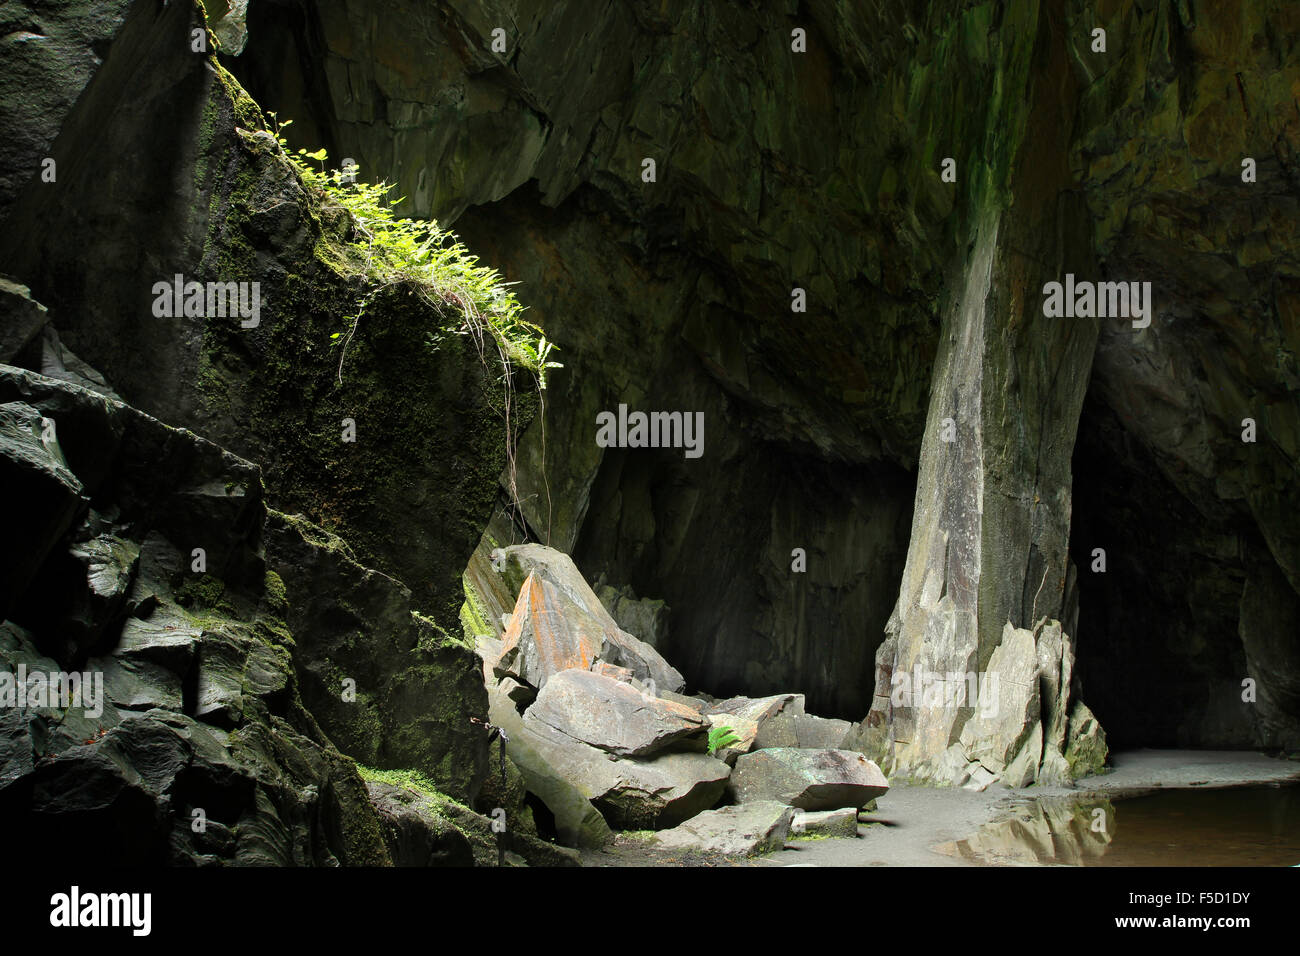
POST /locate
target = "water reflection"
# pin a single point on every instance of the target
(1246, 826)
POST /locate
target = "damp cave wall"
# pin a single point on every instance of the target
(821, 171)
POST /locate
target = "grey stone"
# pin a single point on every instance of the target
(42, 497)
(577, 822)
(558, 623)
(746, 829)
(807, 779)
(613, 716)
(742, 727)
(841, 823)
(21, 318)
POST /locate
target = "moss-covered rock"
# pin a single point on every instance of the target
(189, 743)
(397, 446)
(387, 684)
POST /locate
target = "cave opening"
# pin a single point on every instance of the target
(1159, 649)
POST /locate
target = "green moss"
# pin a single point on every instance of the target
(199, 591)
(433, 635)
(473, 616)
(410, 779)
(277, 597)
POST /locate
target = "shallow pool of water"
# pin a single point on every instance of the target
(1243, 826)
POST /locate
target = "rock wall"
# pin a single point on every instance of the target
(187, 741)
(777, 170)
(890, 482)
(774, 171)
(165, 166)
(414, 490)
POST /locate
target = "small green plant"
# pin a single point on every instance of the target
(419, 255)
(411, 779)
(720, 738)
(433, 262)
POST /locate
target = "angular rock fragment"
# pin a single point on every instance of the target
(807, 779)
(742, 727)
(772, 716)
(631, 793)
(997, 735)
(820, 733)
(550, 632)
(746, 829)
(613, 716)
(830, 823)
(42, 496)
(21, 318)
(520, 562)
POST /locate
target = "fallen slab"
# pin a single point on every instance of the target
(807, 779)
(827, 823)
(742, 830)
(614, 716)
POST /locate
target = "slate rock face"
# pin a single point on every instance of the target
(413, 493)
(415, 833)
(51, 52)
(416, 691)
(807, 779)
(1124, 166)
(42, 496)
(746, 829)
(426, 829)
(186, 740)
(21, 318)
(613, 716)
(558, 623)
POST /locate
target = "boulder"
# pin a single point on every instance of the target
(632, 793)
(807, 779)
(772, 716)
(613, 716)
(577, 822)
(21, 318)
(841, 823)
(742, 727)
(548, 634)
(820, 733)
(658, 793)
(568, 591)
(743, 830)
(644, 618)
(42, 497)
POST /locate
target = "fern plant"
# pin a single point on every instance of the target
(720, 738)
(419, 254)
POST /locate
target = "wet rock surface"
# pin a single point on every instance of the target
(184, 738)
